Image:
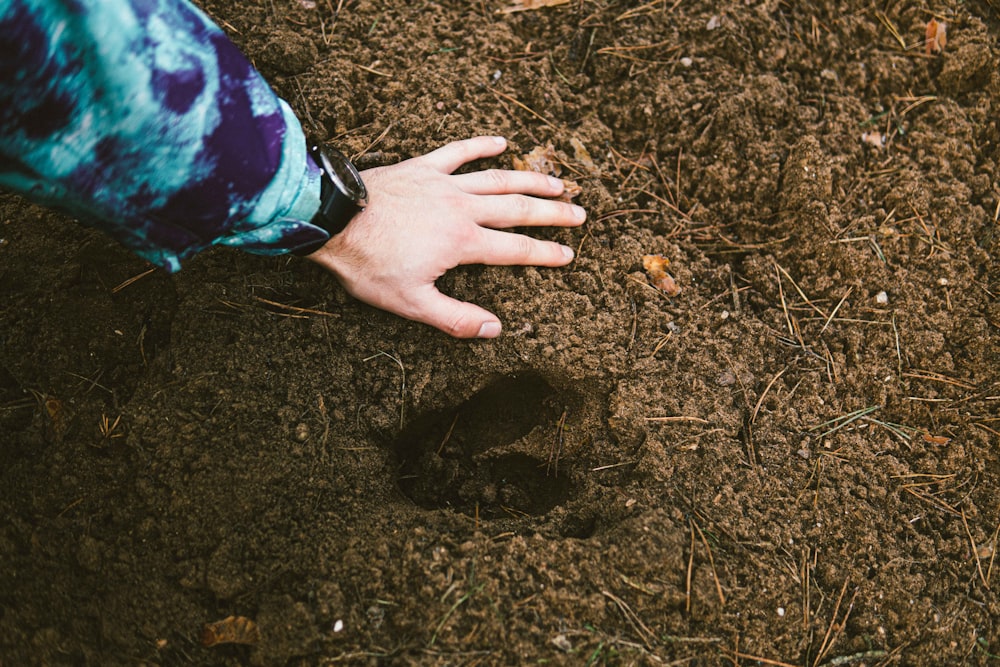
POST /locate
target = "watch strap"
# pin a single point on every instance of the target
(336, 207)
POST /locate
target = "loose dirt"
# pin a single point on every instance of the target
(792, 461)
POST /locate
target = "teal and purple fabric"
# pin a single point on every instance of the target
(142, 119)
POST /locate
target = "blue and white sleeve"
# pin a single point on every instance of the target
(142, 119)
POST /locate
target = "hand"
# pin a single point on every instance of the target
(423, 220)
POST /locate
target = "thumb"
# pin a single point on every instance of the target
(456, 318)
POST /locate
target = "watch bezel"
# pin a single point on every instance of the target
(341, 172)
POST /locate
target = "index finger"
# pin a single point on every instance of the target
(451, 156)
(509, 249)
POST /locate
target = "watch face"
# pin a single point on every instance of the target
(344, 175)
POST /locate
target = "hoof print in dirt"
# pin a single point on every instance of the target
(494, 456)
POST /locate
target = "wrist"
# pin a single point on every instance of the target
(342, 194)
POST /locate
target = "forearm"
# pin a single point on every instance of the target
(143, 120)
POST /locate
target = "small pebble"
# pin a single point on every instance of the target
(562, 643)
(301, 432)
(882, 298)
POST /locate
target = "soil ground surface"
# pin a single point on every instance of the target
(795, 460)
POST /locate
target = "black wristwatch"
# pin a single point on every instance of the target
(342, 193)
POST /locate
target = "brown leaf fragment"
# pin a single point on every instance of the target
(524, 5)
(570, 189)
(655, 266)
(582, 156)
(544, 161)
(540, 159)
(230, 630)
(936, 36)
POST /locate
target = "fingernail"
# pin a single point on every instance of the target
(500, 141)
(579, 213)
(567, 252)
(555, 183)
(489, 330)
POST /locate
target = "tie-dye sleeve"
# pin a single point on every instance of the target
(142, 119)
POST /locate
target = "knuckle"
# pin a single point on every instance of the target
(498, 179)
(456, 325)
(466, 235)
(522, 207)
(524, 246)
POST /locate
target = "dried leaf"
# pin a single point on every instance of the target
(524, 5)
(582, 156)
(570, 189)
(936, 36)
(544, 161)
(655, 266)
(231, 630)
(540, 159)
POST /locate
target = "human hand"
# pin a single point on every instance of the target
(422, 220)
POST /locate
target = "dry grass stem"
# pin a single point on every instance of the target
(804, 577)
(613, 465)
(834, 313)
(552, 465)
(625, 52)
(523, 106)
(975, 551)
(690, 573)
(944, 507)
(447, 436)
(757, 658)
(294, 309)
(993, 553)
(938, 377)
(893, 30)
(375, 142)
(645, 634)
(402, 383)
(802, 294)
(711, 562)
(899, 352)
(844, 420)
(834, 630)
(372, 70)
(133, 279)
(641, 9)
(784, 304)
(914, 102)
(696, 420)
(760, 401)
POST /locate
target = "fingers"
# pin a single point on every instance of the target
(508, 249)
(502, 182)
(450, 157)
(455, 318)
(505, 198)
(505, 211)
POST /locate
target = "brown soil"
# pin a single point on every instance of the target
(778, 466)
